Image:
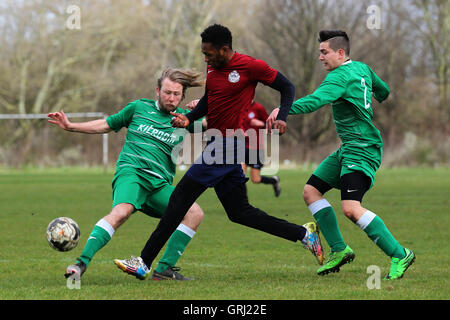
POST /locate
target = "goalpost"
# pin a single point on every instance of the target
(69, 115)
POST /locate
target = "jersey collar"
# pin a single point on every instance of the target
(347, 62)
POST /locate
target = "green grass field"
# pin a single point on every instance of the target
(228, 261)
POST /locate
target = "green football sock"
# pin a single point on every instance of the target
(377, 231)
(99, 237)
(326, 219)
(175, 247)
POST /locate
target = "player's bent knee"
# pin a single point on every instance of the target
(256, 180)
(233, 218)
(237, 215)
(255, 177)
(310, 194)
(352, 210)
(232, 213)
(194, 216)
(197, 212)
(119, 214)
(348, 212)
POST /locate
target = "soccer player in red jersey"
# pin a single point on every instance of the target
(230, 88)
(253, 124)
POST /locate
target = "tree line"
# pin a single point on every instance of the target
(83, 56)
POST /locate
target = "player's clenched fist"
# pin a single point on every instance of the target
(179, 120)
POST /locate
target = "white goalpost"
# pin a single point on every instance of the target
(69, 115)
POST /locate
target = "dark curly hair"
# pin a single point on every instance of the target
(218, 36)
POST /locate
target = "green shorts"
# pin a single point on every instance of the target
(349, 159)
(148, 195)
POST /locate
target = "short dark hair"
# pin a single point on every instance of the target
(337, 39)
(218, 36)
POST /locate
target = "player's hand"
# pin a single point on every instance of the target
(191, 105)
(179, 120)
(60, 119)
(271, 119)
(279, 125)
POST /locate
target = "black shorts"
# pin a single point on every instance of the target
(254, 158)
(353, 185)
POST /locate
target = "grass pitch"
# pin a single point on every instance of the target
(227, 260)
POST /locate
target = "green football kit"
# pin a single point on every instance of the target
(146, 159)
(349, 89)
(144, 173)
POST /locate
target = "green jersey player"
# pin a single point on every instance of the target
(144, 173)
(349, 87)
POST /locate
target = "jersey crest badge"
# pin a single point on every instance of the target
(234, 76)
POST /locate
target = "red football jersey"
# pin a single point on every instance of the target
(231, 90)
(258, 112)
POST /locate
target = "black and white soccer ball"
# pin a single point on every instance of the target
(63, 234)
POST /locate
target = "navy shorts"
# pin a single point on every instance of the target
(221, 159)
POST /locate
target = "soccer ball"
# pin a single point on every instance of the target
(63, 234)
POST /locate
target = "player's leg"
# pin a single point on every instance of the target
(256, 177)
(127, 195)
(354, 185)
(100, 235)
(181, 200)
(233, 196)
(374, 227)
(179, 239)
(324, 178)
(253, 160)
(156, 205)
(325, 216)
(176, 245)
(104, 230)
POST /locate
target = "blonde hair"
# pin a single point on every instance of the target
(187, 78)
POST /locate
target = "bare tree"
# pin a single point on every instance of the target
(121, 47)
(433, 25)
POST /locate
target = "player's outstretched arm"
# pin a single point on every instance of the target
(94, 126)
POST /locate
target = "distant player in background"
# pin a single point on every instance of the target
(255, 119)
(144, 172)
(348, 86)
